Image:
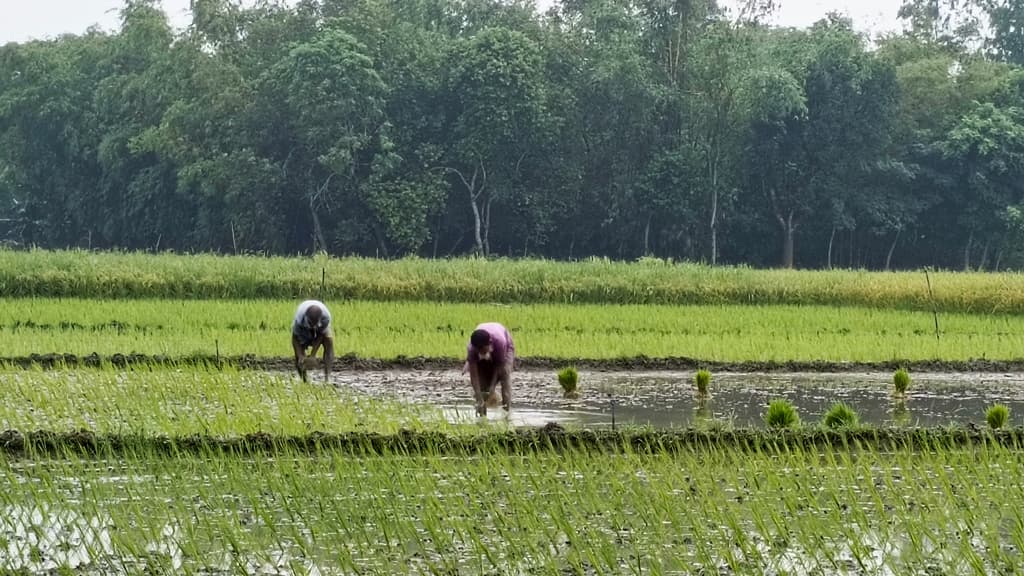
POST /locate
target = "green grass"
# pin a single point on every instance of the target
(123, 275)
(387, 330)
(569, 513)
(224, 403)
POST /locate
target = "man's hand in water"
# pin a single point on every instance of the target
(300, 365)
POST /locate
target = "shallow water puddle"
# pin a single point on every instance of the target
(668, 399)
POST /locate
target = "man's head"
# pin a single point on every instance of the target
(481, 341)
(313, 314)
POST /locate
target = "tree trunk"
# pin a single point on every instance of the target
(831, 240)
(487, 226)
(382, 245)
(787, 249)
(892, 248)
(315, 201)
(479, 225)
(788, 227)
(318, 232)
(714, 208)
(849, 263)
(967, 252)
(437, 236)
(478, 241)
(647, 235)
(984, 256)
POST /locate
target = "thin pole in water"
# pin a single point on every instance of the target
(931, 296)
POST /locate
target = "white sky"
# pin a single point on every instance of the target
(22, 20)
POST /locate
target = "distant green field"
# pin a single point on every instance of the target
(390, 329)
(111, 275)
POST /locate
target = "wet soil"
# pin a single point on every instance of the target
(551, 437)
(667, 400)
(640, 363)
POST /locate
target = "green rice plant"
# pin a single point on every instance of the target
(569, 378)
(86, 274)
(217, 512)
(901, 382)
(781, 414)
(207, 401)
(702, 379)
(840, 415)
(997, 416)
(387, 330)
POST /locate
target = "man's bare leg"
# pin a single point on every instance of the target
(328, 357)
(505, 375)
(300, 357)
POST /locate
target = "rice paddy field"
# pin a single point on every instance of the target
(217, 467)
(386, 330)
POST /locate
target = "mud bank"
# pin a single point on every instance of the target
(551, 437)
(641, 363)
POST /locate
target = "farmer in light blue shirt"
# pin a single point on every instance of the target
(311, 327)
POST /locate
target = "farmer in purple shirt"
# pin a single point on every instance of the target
(489, 359)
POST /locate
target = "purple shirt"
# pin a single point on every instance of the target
(502, 348)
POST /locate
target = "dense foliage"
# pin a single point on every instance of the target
(598, 127)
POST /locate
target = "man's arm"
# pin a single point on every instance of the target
(474, 381)
(506, 386)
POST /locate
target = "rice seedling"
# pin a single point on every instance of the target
(813, 511)
(597, 281)
(568, 379)
(781, 414)
(388, 330)
(901, 382)
(997, 416)
(840, 415)
(199, 401)
(702, 379)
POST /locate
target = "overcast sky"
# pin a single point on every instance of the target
(28, 19)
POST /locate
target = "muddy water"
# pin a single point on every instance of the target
(667, 399)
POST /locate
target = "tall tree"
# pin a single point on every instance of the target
(333, 113)
(494, 88)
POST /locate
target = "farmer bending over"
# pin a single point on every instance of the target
(489, 359)
(312, 327)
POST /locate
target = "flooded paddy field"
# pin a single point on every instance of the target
(731, 513)
(668, 399)
(801, 510)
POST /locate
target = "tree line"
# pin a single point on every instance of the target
(618, 128)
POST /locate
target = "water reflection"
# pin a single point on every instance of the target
(668, 399)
